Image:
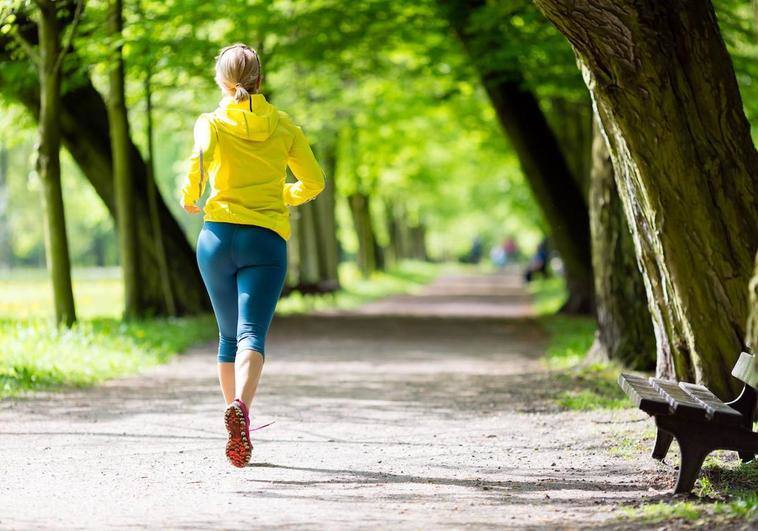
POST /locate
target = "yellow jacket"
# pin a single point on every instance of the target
(243, 150)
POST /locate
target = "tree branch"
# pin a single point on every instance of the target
(25, 45)
(67, 43)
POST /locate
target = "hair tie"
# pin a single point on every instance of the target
(237, 85)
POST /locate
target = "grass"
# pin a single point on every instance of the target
(582, 386)
(548, 295)
(28, 294)
(36, 355)
(726, 493)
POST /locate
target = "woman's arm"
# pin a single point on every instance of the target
(200, 161)
(310, 177)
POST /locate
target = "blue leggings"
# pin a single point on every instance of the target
(243, 267)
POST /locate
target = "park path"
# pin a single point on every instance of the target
(420, 411)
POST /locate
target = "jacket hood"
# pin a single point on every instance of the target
(253, 119)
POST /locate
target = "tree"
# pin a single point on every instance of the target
(51, 53)
(624, 325)
(685, 166)
(752, 325)
(123, 179)
(548, 173)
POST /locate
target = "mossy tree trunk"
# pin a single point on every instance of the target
(625, 328)
(572, 123)
(325, 221)
(751, 339)
(364, 230)
(307, 241)
(547, 172)
(685, 166)
(123, 180)
(152, 199)
(6, 252)
(48, 161)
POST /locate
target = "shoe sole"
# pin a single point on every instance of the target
(238, 447)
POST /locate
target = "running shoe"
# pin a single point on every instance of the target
(239, 448)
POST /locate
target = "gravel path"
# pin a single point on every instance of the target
(412, 412)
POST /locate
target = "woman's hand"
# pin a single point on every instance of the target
(192, 209)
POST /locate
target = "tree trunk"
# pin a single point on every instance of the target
(572, 123)
(751, 339)
(400, 234)
(308, 255)
(418, 239)
(6, 252)
(326, 224)
(122, 172)
(152, 199)
(359, 208)
(48, 164)
(544, 166)
(685, 167)
(625, 328)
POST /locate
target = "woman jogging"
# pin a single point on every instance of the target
(242, 149)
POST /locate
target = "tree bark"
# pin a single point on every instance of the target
(544, 166)
(48, 163)
(625, 327)
(572, 123)
(359, 208)
(118, 118)
(751, 339)
(685, 166)
(326, 224)
(418, 239)
(6, 252)
(307, 241)
(152, 200)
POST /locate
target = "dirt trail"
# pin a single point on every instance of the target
(411, 412)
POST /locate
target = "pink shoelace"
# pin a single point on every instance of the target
(246, 412)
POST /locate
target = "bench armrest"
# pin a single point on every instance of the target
(746, 370)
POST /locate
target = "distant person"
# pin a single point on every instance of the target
(511, 250)
(242, 149)
(539, 262)
(474, 256)
(498, 257)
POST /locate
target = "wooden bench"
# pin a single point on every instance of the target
(700, 422)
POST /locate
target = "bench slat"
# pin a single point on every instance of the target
(644, 395)
(717, 410)
(684, 405)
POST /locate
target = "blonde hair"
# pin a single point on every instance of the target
(238, 71)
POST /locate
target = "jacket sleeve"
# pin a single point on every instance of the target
(199, 162)
(310, 177)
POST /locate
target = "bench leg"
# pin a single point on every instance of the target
(693, 456)
(746, 456)
(662, 444)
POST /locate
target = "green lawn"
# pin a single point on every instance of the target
(35, 354)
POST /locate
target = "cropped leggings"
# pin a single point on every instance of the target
(243, 268)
